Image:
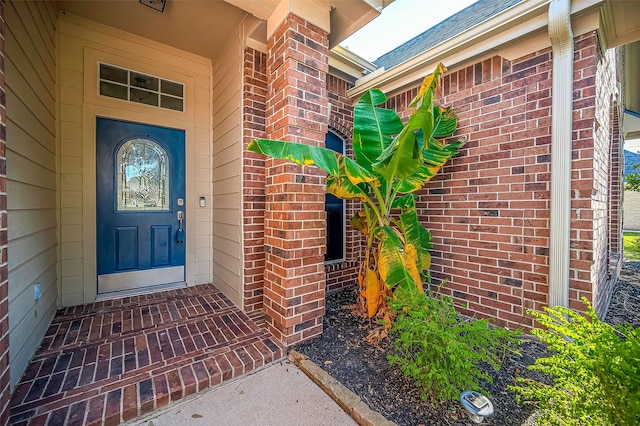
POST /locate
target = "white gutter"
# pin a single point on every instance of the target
(561, 37)
(356, 61)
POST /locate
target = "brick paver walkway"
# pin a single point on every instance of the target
(113, 361)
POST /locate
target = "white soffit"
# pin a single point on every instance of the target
(620, 22)
(631, 125)
(345, 16)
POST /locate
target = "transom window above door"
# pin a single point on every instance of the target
(134, 86)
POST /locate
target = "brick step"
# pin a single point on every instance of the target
(120, 353)
(100, 328)
(121, 398)
(88, 373)
(208, 291)
(67, 338)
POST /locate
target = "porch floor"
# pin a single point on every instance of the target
(115, 360)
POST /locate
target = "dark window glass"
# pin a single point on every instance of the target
(143, 97)
(171, 88)
(143, 81)
(113, 90)
(171, 103)
(115, 74)
(334, 207)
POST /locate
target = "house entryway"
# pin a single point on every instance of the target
(115, 360)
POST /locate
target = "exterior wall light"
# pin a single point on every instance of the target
(155, 4)
(477, 405)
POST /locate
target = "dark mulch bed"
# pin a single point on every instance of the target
(363, 368)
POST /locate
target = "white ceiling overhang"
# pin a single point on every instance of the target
(345, 16)
(203, 26)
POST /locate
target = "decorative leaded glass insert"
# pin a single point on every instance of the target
(129, 85)
(143, 176)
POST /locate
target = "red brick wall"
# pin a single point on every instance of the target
(586, 192)
(294, 229)
(344, 274)
(4, 286)
(488, 209)
(607, 177)
(338, 274)
(253, 119)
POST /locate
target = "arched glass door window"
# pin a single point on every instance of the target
(143, 176)
(335, 208)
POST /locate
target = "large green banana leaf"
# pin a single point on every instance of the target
(434, 157)
(445, 122)
(333, 163)
(404, 156)
(373, 128)
(397, 261)
(400, 159)
(343, 187)
(412, 229)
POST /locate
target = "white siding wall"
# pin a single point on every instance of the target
(227, 167)
(31, 175)
(82, 44)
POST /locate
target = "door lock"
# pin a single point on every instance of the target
(180, 202)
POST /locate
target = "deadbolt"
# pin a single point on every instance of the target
(180, 202)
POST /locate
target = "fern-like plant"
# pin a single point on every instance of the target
(595, 369)
(441, 352)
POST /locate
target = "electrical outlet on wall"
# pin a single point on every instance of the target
(37, 291)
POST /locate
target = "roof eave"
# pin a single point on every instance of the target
(524, 18)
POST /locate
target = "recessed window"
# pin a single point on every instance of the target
(335, 208)
(134, 86)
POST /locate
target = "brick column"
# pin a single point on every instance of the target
(295, 225)
(4, 284)
(253, 197)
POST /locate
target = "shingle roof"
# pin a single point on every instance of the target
(450, 27)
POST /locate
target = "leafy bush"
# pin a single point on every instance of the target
(440, 352)
(631, 245)
(595, 370)
(632, 180)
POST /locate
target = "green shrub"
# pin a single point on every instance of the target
(595, 369)
(632, 245)
(441, 352)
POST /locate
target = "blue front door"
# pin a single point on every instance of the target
(140, 205)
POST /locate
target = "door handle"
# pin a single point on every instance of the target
(180, 232)
(180, 220)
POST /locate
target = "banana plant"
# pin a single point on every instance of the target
(392, 161)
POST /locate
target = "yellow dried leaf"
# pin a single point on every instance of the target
(427, 83)
(410, 261)
(373, 293)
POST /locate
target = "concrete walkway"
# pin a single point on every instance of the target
(280, 394)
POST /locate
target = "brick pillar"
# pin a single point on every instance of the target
(4, 284)
(295, 225)
(253, 113)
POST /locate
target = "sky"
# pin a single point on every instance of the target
(399, 22)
